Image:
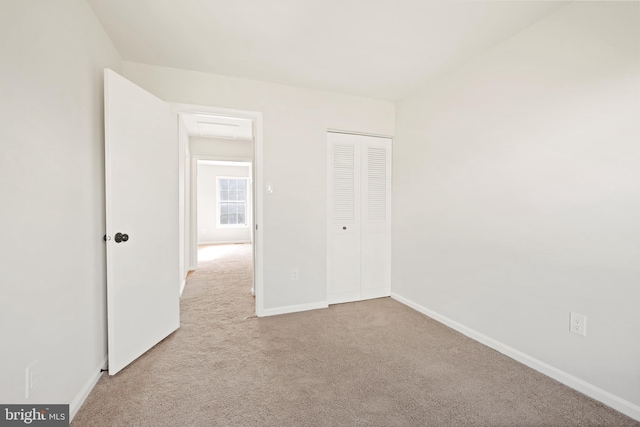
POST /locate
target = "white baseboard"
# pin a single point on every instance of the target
(616, 402)
(294, 308)
(182, 285)
(77, 402)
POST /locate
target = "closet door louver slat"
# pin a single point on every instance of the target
(376, 184)
(343, 182)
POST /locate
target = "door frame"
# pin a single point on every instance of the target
(258, 216)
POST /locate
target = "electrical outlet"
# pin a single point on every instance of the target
(578, 324)
(295, 274)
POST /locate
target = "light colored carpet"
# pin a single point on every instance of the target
(373, 363)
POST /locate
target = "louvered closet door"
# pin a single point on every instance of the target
(359, 217)
(375, 253)
(344, 219)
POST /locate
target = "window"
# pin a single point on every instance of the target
(232, 202)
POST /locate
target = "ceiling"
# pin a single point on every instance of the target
(212, 126)
(381, 49)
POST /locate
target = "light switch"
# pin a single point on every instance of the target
(269, 188)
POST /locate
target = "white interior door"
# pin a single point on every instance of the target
(141, 166)
(343, 265)
(375, 258)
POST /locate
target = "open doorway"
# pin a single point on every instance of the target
(224, 212)
(221, 155)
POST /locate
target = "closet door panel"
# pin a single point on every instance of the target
(344, 274)
(343, 257)
(376, 218)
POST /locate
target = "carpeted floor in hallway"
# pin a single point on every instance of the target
(371, 363)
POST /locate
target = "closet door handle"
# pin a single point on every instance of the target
(344, 228)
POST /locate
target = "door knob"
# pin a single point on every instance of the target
(344, 228)
(119, 237)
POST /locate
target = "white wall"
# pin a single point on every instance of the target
(221, 149)
(295, 125)
(53, 291)
(208, 230)
(517, 196)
